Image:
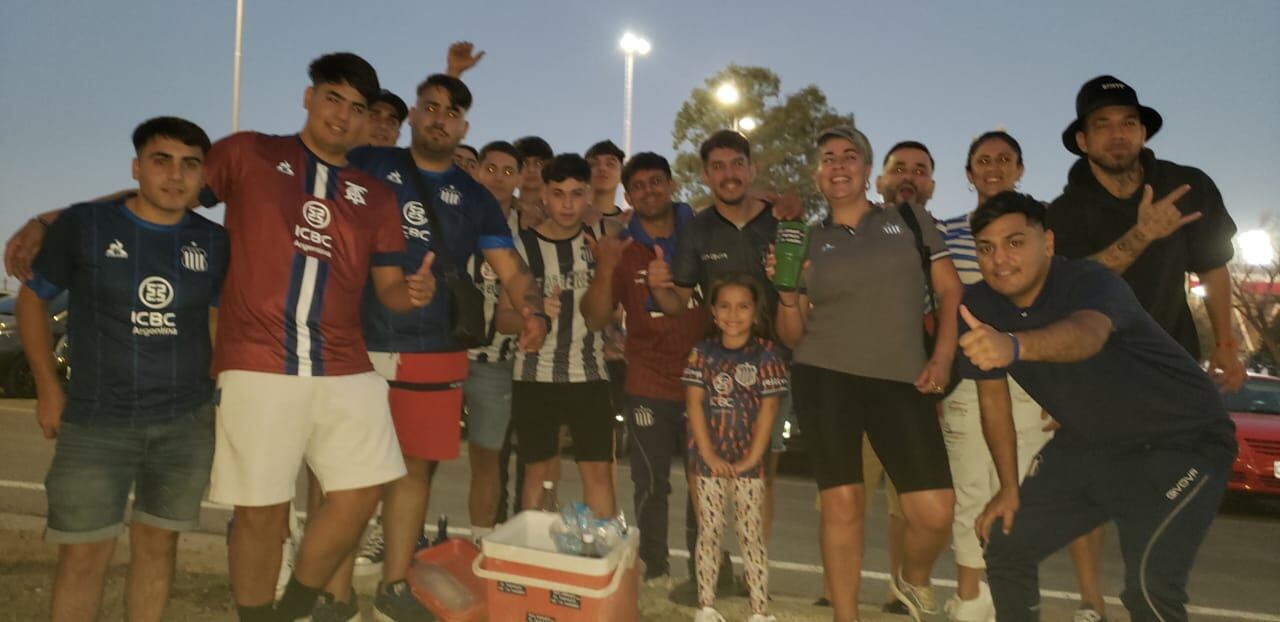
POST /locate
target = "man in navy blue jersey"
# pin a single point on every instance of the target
(142, 273)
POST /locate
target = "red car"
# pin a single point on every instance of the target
(1256, 412)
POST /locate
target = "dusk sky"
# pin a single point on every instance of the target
(76, 77)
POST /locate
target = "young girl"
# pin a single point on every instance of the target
(734, 380)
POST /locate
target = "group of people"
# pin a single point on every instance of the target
(957, 357)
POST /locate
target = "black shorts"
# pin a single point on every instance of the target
(836, 408)
(538, 409)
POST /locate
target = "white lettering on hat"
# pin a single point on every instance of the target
(1114, 85)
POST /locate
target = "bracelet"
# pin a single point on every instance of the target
(545, 318)
(1017, 348)
(1229, 345)
(780, 301)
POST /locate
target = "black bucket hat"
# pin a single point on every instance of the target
(1107, 91)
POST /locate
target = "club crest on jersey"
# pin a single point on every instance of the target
(415, 214)
(155, 293)
(723, 384)
(450, 195)
(115, 250)
(316, 214)
(285, 167)
(394, 177)
(355, 194)
(746, 374)
(585, 254)
(194, 258)
(309, 239)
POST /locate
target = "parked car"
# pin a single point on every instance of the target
(15, 373)
(1256, 412)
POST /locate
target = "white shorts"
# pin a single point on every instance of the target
(973, 473)
(267, 424)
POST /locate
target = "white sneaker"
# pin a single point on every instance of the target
(708, 614)
(1088, 614)
(921, 602)
(760, 617)
(980, 609)
(372, 549)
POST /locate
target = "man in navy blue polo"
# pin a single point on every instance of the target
(1145, 441)
(142, 272)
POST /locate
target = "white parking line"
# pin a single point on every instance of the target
(1214, 612)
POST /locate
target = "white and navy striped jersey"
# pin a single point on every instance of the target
(959, 239)
(500, 347)
(570, 353)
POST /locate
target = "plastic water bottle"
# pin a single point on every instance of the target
(589, 545)
(789, 250)
(547, 501)
(447, 590)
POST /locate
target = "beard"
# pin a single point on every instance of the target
(1115, 165)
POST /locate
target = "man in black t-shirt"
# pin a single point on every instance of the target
(1145, 441)
(1106, 213)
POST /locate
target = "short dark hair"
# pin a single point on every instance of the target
(605, 147)
(534, 147)
(994, 134)
(459, 94)
(340, 67)
(181, 130)
(566, 166)
(910, 144)
(502, 146)
(644, 161)
(1007, 202)
(471, 149)
(393, 100)
(725, 139)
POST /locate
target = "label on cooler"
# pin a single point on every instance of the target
(512, 588)
(565, 599)
(537, 617)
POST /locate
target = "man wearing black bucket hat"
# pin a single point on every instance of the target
(1106, 212)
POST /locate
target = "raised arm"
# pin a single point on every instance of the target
(1155, 221)
(1075, 338)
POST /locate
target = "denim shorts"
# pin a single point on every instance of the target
(487, 394)
(95, 466)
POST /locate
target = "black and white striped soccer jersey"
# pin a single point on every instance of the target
(571, 353)
(500, 347)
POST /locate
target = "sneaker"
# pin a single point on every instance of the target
(372, 550)
(328, 609)
(980, 609)
(1088, 614)
(896, 607)
(396, 603)
(662, 582)
(822, 601)
(921, 603)
(760, 617)
(708, 614)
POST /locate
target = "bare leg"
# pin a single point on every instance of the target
(928, 519)
(534, 474)
(967, 580)
(404, 511)
(1086, 556)
(841, 539)
(77, 584)
(483, 500)
(153, 553)
(333, 533)
(597, 488)
(253, 552)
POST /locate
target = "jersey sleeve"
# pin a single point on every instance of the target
(694, 372)
(388, 244)
(1209, 238)
(494, 232)
(686, 267)
(55, 267)
(773, 374)
(977, 298)
(221, 168)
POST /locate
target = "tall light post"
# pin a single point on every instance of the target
(631, 47)
(235, 72)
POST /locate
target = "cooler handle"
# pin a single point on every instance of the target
(628, 557)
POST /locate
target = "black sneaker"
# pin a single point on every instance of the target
(896, 607)
(328, 609)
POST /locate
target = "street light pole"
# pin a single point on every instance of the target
(235, 72)
(631, 46)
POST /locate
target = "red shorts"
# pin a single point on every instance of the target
(426, 400)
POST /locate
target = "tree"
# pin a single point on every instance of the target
(1255, 293)
(782, 143)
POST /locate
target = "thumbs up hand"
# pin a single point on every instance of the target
(986, 347)
(659, 271)
(422, 284)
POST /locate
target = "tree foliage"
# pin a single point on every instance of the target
(782, 144)
(1255, 294)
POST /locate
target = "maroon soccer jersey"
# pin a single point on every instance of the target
(657, 345)
(736, 382)
(304, 234)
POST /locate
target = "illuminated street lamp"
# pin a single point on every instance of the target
(727, 94)
(1255, 248)
(747, 124)
(632, 46)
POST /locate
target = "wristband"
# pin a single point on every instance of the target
(1017, 348)
(545, 318)
(1229, 345)
(783, 303)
